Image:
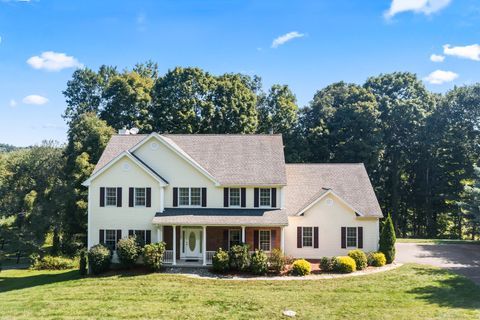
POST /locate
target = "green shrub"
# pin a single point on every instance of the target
(153, 255)
(220, 261)
(83, 263)
(345, 264)
(277, 261)
(238, 256)
(128, 251)
(259, 262)
(327, 264)
(360, 258)
(54, 263)
(387, 240)
(301, 267)
(99, 258)
(376, 259)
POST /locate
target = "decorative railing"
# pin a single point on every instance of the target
(168, 256)
(210, 256)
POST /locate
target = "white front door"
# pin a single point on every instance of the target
(192, 239)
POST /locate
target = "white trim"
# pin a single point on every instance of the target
(269, 241)
(260, 198)
(311, 236)
(175, 149)
(162, 198)
(89, 220)
(243, 234)
(322, 196)
(346, 238)
(116, 197)
(127, 154)
(189, 205)
(204, 245)
(239, 197)
(135, 205)
(174, 244)
(282, 240)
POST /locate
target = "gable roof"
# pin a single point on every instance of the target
(231, 159)
(306, 183)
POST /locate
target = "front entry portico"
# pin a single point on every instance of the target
(191, 243)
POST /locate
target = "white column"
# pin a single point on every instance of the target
(174, 245)
(243, 234)
(161, 233)
(158, 234)
(204, 245)
(282, 240)
(162, 199)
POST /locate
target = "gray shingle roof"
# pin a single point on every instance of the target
(307, 182)
(221, 217)
(117, 145)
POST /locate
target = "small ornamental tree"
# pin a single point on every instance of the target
(387, 240)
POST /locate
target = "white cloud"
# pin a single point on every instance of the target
(440, 77)
(437, 58)
(285, 38)
(13, 103)
(34, 99)
(418, 6)
(53, 61)
(467, 52)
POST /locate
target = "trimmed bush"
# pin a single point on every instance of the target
(327, 264)
(376, 259)
(387, 240)
(239, 259)
(220, 261)
(83, 262)
(54, 263)
(128, 251)
(301, 267)
(345, 264)
(259, 262)
(153, 256)
(99, 258)
(360, 258)
(277, 261)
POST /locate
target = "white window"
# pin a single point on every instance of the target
(351, 237)
(111, 196)
(111, 239)
(190, 196)
(307, 236)
(140, 197)
(234, 197)
(140, 236)
(265, 197)
(234, 237)
(264, 240)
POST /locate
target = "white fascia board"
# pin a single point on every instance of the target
(323, 196)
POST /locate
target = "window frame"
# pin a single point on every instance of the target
(347, 237)
(230, 198)
(269, 240)
(269, 198)
(114, 237)
(106, 196)
(307, 237)
(189, 197)
(135, 204)
(199, 197)
(230, 237)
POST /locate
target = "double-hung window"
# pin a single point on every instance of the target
(111, 197)
(265, 197)
(140, 197)
(190, 196)
(140, 237)
(307, 236)
(264, 240)
(351, 237)
(111, 239)
(234, 237)
(234, 197)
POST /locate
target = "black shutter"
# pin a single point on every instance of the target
(148, 237)
(273, 237)
(119, 235)
(274, 197)
(255, 239)
(204, 197)
(102, 237)
(243, 197)
(315, 237)
(299, 237)
(225, 239)
(130, 197)
(119, 197)
(175, 197)
(102, 197)
(130, 233)
(149, 197)
(360, 237)
(344, 236)
(255, 197)
(225, 197)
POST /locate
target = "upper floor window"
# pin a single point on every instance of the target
(351, 237)
(189, 196)
(234, 197)
(111, 196)
(265, 197)
(140, 197)
(307, 237)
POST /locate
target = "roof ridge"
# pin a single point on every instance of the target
(222, 134)
(325, 163)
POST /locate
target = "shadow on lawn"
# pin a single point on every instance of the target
(454, 292)
(17, 283)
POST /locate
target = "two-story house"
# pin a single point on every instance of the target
(198, 193)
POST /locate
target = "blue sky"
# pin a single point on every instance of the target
(318, 43)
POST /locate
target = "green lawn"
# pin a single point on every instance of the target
(409, 292)
(437, 241)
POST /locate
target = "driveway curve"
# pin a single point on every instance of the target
(463, 259)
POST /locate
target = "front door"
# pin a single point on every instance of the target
(192, 238)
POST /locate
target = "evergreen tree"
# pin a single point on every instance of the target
(387, 240)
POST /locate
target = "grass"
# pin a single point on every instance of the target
(438, 241)
(409, 292)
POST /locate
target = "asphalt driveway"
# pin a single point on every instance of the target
(463, 259)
